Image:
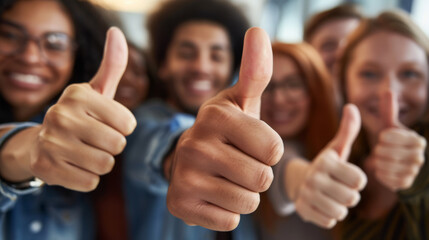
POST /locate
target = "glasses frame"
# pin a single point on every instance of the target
(37, 40)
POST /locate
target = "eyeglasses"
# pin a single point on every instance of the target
(56, 47)
(292, 86)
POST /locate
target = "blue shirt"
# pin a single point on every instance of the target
(53, 213)
(158, 128)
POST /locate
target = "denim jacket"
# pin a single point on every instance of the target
(43, 213)
(158, 128)
(53, 213)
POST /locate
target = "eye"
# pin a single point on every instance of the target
(57, 42)
(370, 75)
(186, 54)
(7, 35)
(295, 83)
(217, 57)
(329, 46)
(409, 74)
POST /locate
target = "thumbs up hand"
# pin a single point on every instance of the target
(329, 184)
(399, 152)
(222, 163)
(86, 128)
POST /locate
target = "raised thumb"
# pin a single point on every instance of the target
(389, 110)
(113, 65)
(348, 131)
(255, 72)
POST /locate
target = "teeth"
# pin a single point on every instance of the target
(202, 85)
(27, 78)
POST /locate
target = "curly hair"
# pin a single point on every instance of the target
(162, 24)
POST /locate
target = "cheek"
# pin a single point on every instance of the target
(223, 74)
(418, 102)
(356, 92)
(62, 76)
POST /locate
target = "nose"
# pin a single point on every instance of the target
(279, 96)
(390, 84)
(31, 53)
(202, 63)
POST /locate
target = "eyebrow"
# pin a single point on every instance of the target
(214, 47)
(12, 23)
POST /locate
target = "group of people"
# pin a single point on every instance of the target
(214, 132)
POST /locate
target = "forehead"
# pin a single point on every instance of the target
(202, 34)
(39, 16)
(389, 49)
(335, 29)
(283, 66)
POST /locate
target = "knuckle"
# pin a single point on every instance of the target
(419, 158)
(250, 202)
(276, 149)
(90, 183)
(105, 164)
(213, 115)
(118, 144)
(41, 167)
(57, 116)
(314, 180)
(342, 213)
(405, 183)
(326, 159)
(231, 222)
(264, 179)
(174, 204)
(74, 91)
(353, 199)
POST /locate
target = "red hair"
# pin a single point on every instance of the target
(323, 117)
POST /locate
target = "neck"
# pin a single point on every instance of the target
(25, 113)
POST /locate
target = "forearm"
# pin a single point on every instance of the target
(16, 154)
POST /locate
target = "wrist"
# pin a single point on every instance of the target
(296, 170)
(15, 155)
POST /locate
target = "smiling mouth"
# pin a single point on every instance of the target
(27, 79)
(201, 85)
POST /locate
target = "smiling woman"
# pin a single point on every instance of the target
(38, 51)
(384, 71)
(36, 62)
(45, 45)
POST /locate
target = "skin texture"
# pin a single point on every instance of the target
(390, 90)
(198, 64)
(134, 85)
(326, 187)
(228, 149)
(330, 37)
(286, 110)
(86, 118)
(27, 99)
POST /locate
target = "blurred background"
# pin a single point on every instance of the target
(282, 19)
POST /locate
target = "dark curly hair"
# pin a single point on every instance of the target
(90, 27)
(162, 24)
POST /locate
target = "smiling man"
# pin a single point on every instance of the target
(196, 47)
